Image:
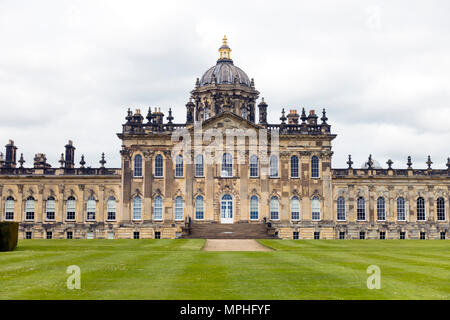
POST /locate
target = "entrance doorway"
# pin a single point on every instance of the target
(226, 209)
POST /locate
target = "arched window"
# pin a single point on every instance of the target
(138, 166)
(274, 208)
(111, 209)
(254, 171)
(440, 206)
(227, 165)
(199, 208)
(178, 208)
(420, 209)
(226, 208)
(401, 209)
(254, 210)
(50, 208)
(273, 163)
(294, 167)
(295, 208)
(199, 168)
(361, 209)
(158, 208)
(315, 208)
(340, 208)
(9, 208)
(159, 166)
(314, 167)
(70, 209)
(179, 166)
(381, 209)
(29, 208)
(90, 209)
(137, 208)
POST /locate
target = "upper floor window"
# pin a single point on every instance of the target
(199, 167)
(254, 210)
(9, 208)
(227, 165)
(420, 209)
(158, 208)
(294, 167)
(138, 166)
(440, 206)
(315, 208)
(70, 208)
(340, 208)
(254, 172)
(381, 209)
(401, 210)
(273, 163)
(137, 208)
(206, 113)
(50, 208)
(111, 209)
(314, 167)
(274, 208)
(199, 208)
(295, 208)
(158, 166)
(361, 209)
(178, 208)
(179, 166)
(29, 208)
(90, 209)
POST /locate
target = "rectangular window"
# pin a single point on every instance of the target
(421, 209)
(402, 235)
(442, 235)
(29, 215)
(90, 235)
(316, 235)
(50, 209)
(49, 235)
(157, 234)
(111, 215)
(295, 235)
(362, 235)
(382, 235)
(136, 235)
(422, 236)
(28, 235)
(69, 235)
(110, 235)
(9, 215)
(342, 235)
(9, 209)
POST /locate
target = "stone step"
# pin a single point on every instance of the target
(228, 231)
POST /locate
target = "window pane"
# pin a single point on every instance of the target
(401, 212)
(315, 167)
(315, 205)
(274, 207)
(138, 166)
(137, 203)
(90, 209)
(199, 169)
(50, 209)
(111, 208)
(178, 208)
(341, 208)
(179, 166)
(70, 208)
(421, 209)
(9, 209)
(199, 208)
(158, 208)
(295, 208)
(254, 166)
(158, 166)
(227, 165)
(381, 209)
(294, 167)
(274, 166)
(361, 209)
(440, 205)
(254, 208)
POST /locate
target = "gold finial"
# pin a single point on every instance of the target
(224, 50)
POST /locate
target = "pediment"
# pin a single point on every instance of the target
(228, 120)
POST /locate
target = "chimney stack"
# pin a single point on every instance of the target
(293, 117)
(10, 157)
(70, 155)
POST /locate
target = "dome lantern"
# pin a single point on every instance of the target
(224, 50)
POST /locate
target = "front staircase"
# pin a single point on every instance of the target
(228, 231)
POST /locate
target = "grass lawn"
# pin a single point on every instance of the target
(178, 269)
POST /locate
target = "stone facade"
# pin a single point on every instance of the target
(250, 172)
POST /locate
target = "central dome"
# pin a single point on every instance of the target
(225, 72)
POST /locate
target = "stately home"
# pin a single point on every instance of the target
(224, 172)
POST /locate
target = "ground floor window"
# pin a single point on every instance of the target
(442, 235)
(382, 235)
(49, 235)
(422, 236)
(157, 234)
(295, 235)
(90, 235)
(402, 235)
(28, 235)
(69, 235)
(110, 235)
(316, 235)
(362, 235)
(342, 235)
(136, 235)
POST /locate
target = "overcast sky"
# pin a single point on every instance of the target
(70, 70)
